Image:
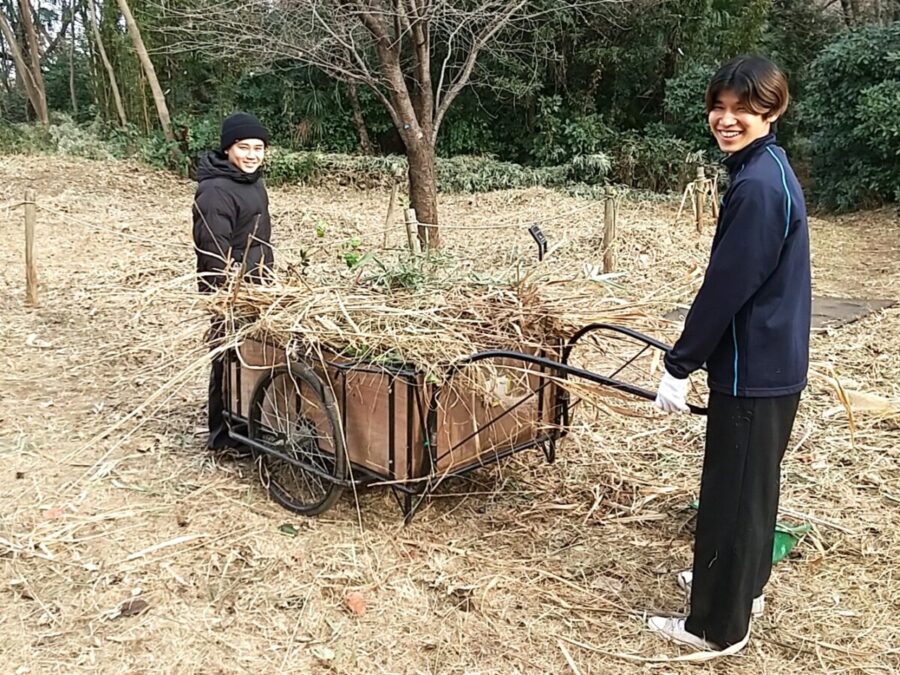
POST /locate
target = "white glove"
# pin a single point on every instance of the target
(672, 394)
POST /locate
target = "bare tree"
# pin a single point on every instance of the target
(110, 72)
(30, 73)
(159, 98)
(365, 143)
(415, 55)
(34, 52)
(72, 59)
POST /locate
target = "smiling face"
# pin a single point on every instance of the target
(247, 154)
(734, 124)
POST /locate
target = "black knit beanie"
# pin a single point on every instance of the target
(239, 126)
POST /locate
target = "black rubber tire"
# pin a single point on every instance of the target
(305, 493)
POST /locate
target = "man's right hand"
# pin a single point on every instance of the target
(671, 396)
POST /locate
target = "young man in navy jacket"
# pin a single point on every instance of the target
(749, 327)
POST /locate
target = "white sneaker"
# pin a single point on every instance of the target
(685, 579)
(673, 629)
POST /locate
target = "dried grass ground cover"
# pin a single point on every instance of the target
(126, 548)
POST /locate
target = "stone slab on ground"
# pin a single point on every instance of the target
(827, 312)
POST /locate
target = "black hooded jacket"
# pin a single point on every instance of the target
(231, 221)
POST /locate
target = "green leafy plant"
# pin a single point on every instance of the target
(653, 159)
(851, 113)
(684, 107)
(353, 256)
(283, 166)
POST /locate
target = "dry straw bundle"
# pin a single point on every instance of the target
(428, 324)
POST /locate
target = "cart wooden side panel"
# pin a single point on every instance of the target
(506, 405)
(482, 412)
(381, 411)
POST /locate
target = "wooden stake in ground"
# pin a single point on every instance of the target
(390, 212)
(31, 297)
(412, 234)
(609, 232)
(696, 191)
(699, 197)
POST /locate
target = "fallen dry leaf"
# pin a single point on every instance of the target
(132, 607)
(356, 603)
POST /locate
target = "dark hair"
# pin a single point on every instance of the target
(756, 82)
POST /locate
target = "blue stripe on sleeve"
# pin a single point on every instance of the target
(787, 215)
(734, 339)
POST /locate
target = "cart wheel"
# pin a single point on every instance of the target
(294, 415)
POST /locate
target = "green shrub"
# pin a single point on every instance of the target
(485, 174)
(455, 174)
(653, 159)
(163, 154)
(363, 170)
(563, 134)
(284, 166)
(22, 138)
(69, 138)
(589, 169)
(684, 107)
(63, 136)
(650, 160)
(124, 142)
(851, 111)
(201, 134)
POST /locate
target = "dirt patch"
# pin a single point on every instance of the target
(124, 546)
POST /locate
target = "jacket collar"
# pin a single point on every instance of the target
(215, 164)
(734, 162)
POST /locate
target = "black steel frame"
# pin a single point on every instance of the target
(410, 491)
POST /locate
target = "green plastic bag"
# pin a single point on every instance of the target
(786, 537)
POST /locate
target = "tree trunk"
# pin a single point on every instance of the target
(847, 12)
(72, 60)
(40, 102)
(423, 190)
(23, 71)
(359, 122)
(111, 73)
(159, 98)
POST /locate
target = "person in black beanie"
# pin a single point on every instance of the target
(231, 229)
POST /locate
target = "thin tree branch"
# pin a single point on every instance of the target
(489, 32)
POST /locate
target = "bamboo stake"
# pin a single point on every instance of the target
(412, 234)
(31, 294)
(609, 232)
(714, 197)
(699, 197)
(390, 212)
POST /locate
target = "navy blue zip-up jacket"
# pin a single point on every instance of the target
(750, 320)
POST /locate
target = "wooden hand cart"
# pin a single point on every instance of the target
(319, 426)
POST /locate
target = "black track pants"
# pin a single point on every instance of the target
(745, 442)
(218, 429)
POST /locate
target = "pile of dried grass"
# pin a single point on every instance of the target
(427, 325)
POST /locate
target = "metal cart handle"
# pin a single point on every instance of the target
(550, 364)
